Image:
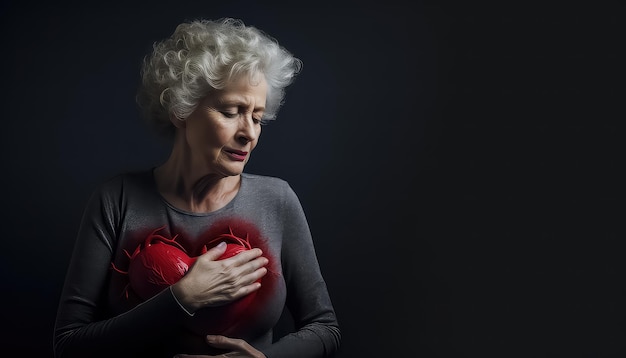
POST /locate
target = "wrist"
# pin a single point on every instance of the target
(179, 297)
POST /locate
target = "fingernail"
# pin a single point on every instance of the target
(221, 244)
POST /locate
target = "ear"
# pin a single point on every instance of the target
(177, 122)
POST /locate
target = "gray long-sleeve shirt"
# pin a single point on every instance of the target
(100, 313)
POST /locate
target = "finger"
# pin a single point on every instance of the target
(248, 289)
(224, 342)
(215, 252)
(244, 257)
(254, 265)
(257, 274)
(253, 270)
(237, 347)
(199, 355)
(250, 283)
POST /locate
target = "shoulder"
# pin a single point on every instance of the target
(265, 180)
(265, 185)
(269, 188)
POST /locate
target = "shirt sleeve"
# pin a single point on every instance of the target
(317, 332)
(80, 328)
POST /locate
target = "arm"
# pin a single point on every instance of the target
(317, 331)
(83, 327)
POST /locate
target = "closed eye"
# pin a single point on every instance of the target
(256, 120)
(229, 114)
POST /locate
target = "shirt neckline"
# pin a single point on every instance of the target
(228, 205)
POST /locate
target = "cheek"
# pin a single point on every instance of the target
(198, 135)
(215, 138)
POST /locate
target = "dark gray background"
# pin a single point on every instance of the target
(459, 163)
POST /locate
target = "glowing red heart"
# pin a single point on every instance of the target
(160, 262)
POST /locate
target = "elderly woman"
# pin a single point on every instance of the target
(195, 256)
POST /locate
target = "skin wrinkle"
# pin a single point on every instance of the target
(207, 176)
(212, 126)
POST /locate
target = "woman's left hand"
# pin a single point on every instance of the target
(238, 348)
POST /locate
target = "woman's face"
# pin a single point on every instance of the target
(225, 127)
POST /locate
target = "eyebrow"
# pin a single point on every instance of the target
(235, 100)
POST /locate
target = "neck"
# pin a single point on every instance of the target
(192, 187)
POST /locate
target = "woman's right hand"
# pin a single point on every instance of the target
(211, 282)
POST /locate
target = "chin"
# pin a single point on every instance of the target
(228, 169)
(232, 172)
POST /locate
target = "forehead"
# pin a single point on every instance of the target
(244, 90)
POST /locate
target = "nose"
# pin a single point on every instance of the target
(248, 130)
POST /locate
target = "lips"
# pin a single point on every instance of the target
(237, 155)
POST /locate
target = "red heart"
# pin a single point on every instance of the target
(160, 262)
(156, 267)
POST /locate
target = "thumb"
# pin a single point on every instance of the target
(215, 252)
(222, 342)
